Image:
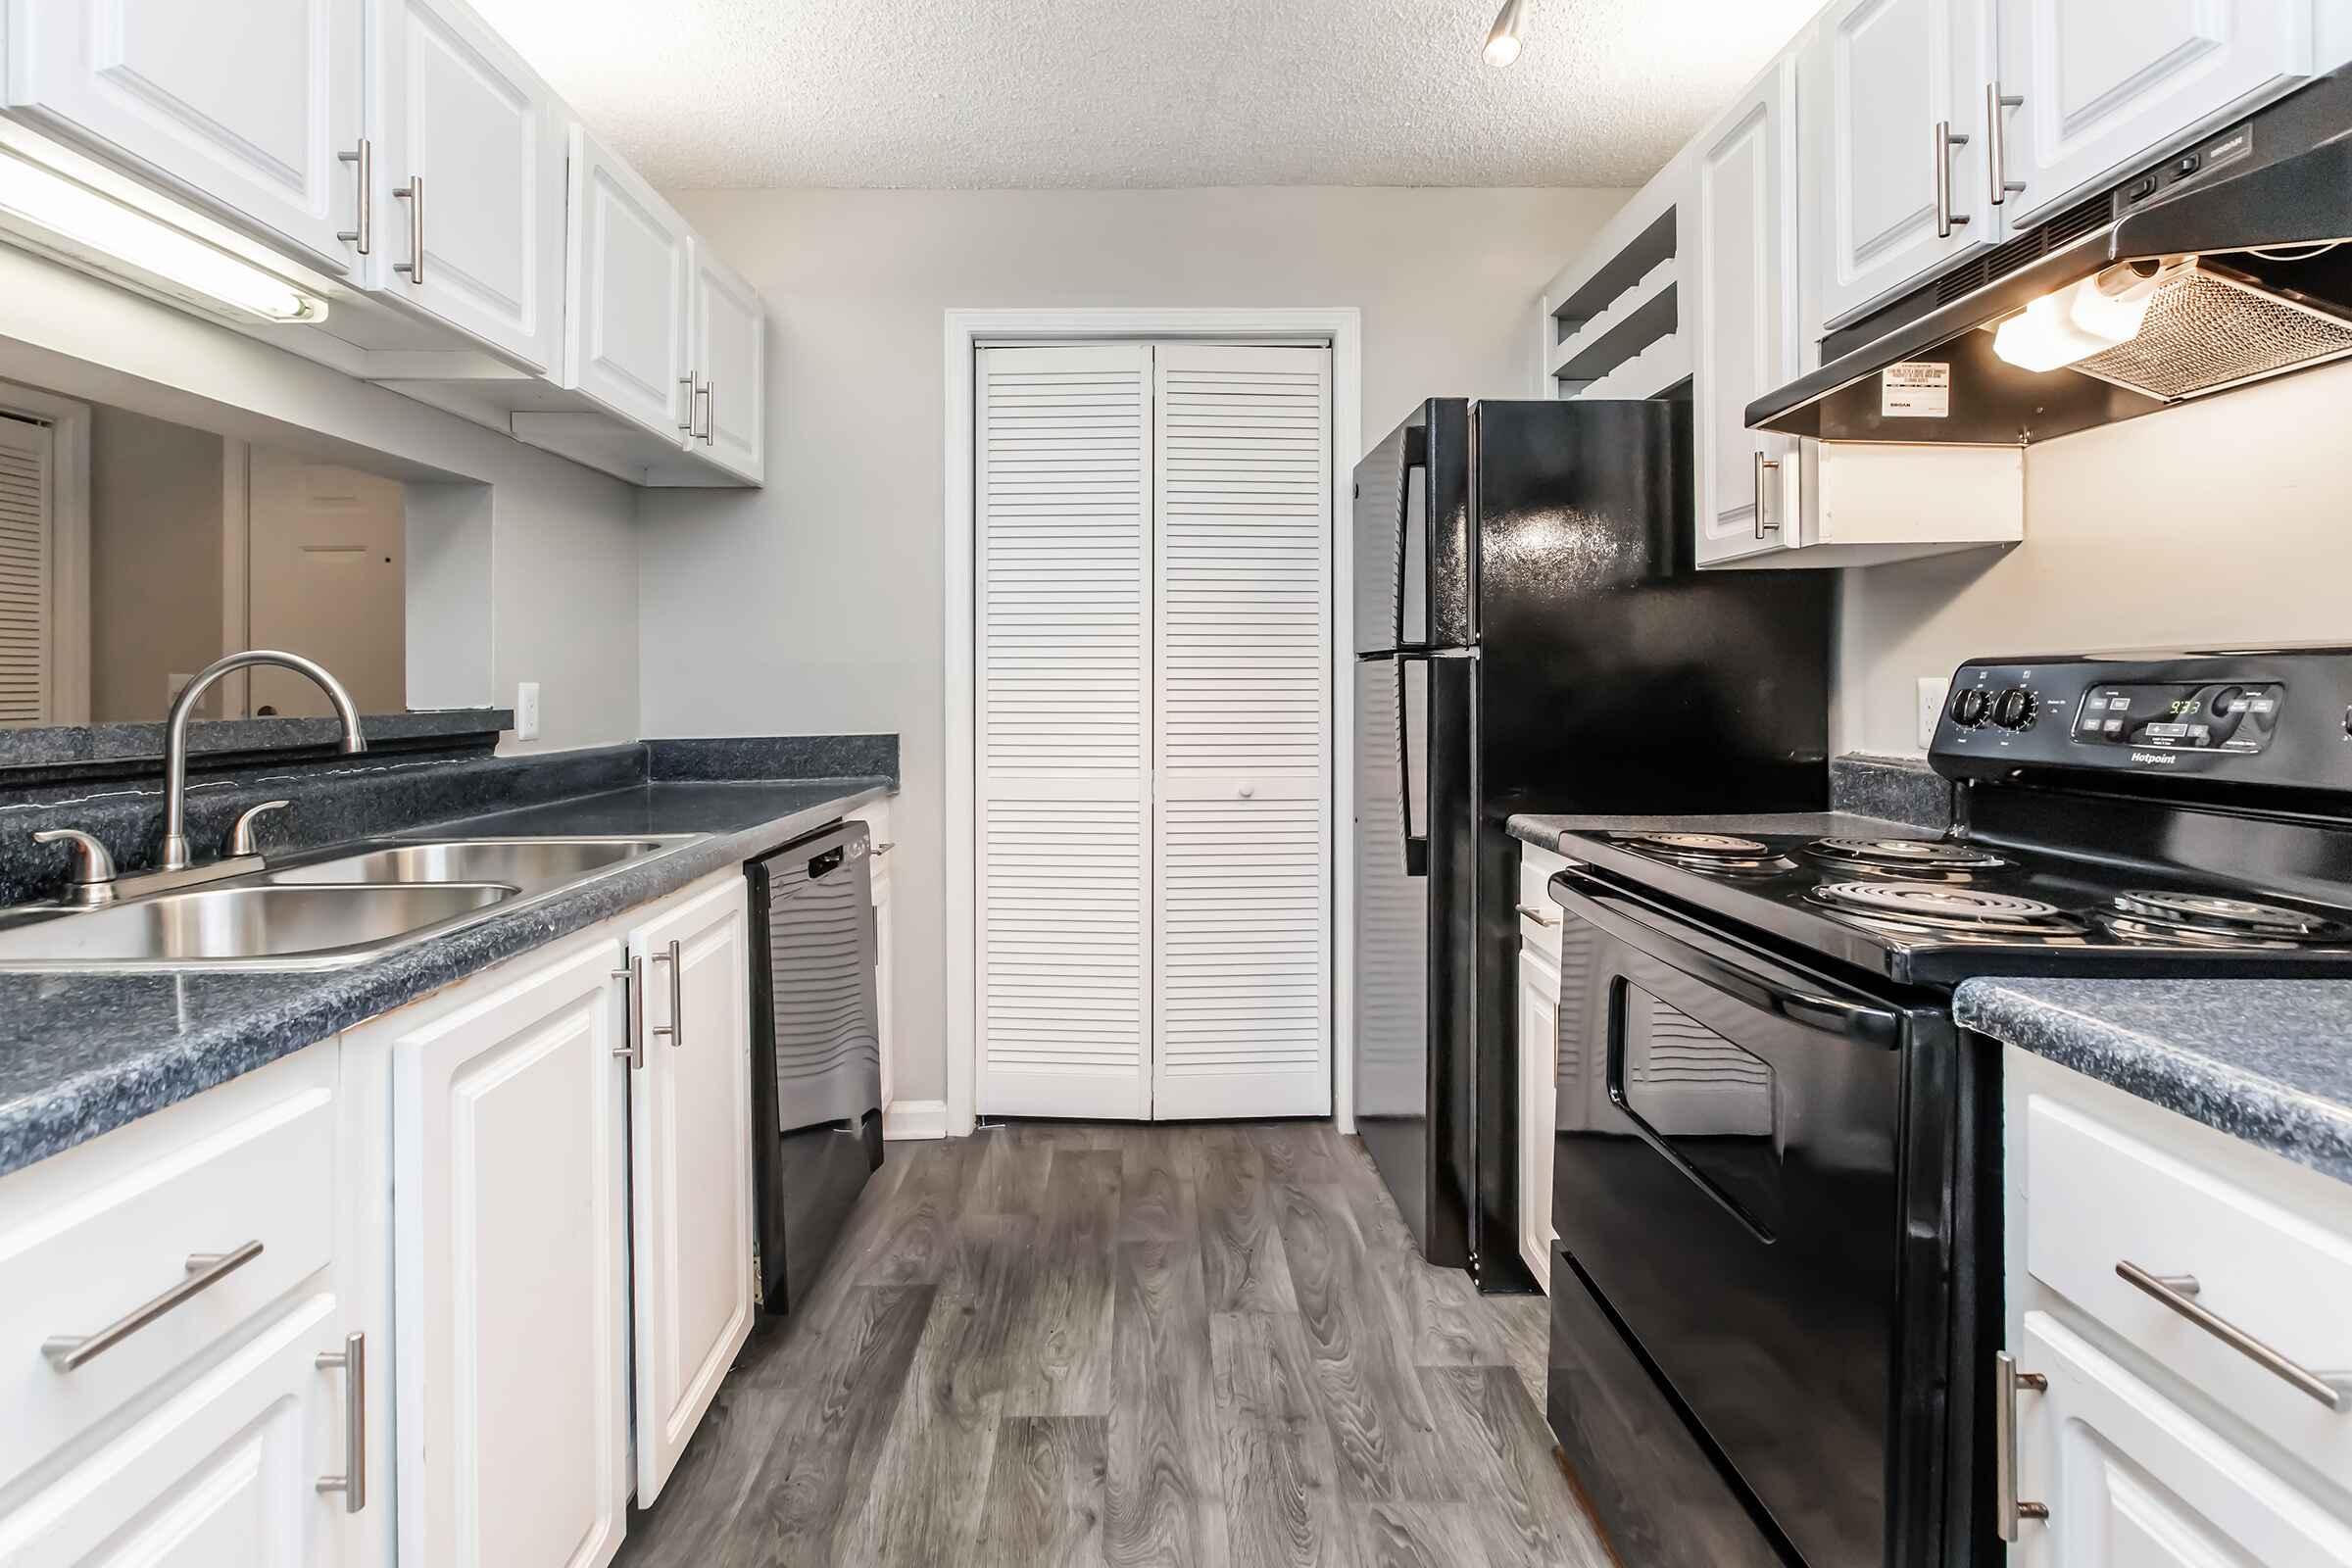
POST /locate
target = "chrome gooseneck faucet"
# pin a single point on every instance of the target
(175, 856)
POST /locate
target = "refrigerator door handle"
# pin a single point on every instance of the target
(1412, 543)
(1412, 739)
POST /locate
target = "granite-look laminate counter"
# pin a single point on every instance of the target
(2268, 1062)
(81, 1054)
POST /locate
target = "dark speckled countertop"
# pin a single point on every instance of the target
(83, 1054)
(2268, 1062)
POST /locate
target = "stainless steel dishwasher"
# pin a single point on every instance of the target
(816, 1078)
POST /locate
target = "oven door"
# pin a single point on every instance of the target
(1731, 1176)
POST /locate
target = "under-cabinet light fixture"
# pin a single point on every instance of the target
(2085, 317)
(1505, 38)
(55, 214)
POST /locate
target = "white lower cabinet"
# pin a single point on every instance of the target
(198, 1436)
(2155, 1435)
(1539, 1012)
(690, 1168)
(507, 1169)
(876, 818)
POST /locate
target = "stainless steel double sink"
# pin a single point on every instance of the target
(324, 911)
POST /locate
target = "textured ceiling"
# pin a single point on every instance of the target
(1086, 93)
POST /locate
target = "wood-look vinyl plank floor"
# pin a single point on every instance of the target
(1060, 1345)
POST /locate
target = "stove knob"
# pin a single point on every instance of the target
(1970, 704)
(2014, 710)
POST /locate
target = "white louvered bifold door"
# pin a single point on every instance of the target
(1063, 674)
(1243, 1024)
(28, 483)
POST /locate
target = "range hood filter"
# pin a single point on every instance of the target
(2206, 331)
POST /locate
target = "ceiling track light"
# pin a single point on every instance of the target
(1510, 33)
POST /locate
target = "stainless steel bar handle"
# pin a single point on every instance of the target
(677, 1027)
(632, 992)
(68, 1352)
(2176, 1291)
(361, 236)
(2007, 1382)
(1538, 916)
(353, 1481)
(413, 194)
(1763, 464)
(692, 381)
(1945, 219)
(1996, 142)
(883, 848)
(711, 412)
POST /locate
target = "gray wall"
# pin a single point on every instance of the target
(2222, 522)
(814, 605)
(155, 561)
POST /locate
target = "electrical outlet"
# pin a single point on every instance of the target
(1933, 692)
(526, 710)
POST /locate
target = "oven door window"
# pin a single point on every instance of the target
(1708, 1104)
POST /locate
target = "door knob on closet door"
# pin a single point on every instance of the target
(1246, 791)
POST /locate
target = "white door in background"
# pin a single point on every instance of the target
(1153, 621)
(1062, 485)
(1241, 874)
(325, 578)
(27, 498)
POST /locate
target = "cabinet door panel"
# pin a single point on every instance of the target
(730, 350)
(1745, 205)
(690, 1165)
(2107, 83)
(506, 1174)
(1539, 1044)
(625, 341)
(466, 116)
(224, 1472)
(246, 105)
(2132, 1480)
(1884, 75)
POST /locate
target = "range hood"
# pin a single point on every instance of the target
(2220, 266)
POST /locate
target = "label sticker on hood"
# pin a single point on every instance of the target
(1916, 389)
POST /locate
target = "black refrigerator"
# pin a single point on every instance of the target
(1531, 635)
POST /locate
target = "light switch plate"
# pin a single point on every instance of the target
(1933, 692)
(526, 710)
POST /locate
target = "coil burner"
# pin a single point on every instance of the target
(1720, 853)
(2212, 920)
(1931, 859)
(1919, 906)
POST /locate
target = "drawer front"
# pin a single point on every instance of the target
(1538, 916)
(2096, 1197)
(223, 1473)
(89, 1238)
(2132, 1480)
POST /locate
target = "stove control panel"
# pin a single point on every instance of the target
(2277, 718)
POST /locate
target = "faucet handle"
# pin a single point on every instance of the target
(93, 865)
(240, 835)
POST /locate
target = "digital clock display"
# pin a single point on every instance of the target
(2217, 717)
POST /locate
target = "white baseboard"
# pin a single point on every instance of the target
(915, 1118)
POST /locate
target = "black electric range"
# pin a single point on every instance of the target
(1775, 1288)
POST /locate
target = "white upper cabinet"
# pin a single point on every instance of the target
(1746, 220)
(2105, 83)
(248, 108)
(730, 369)
(630, 255)
(1896, 93)
(470, 180)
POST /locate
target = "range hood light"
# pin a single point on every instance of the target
(2084, 319)
(56, 213)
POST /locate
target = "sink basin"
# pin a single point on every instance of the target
(248, 926)
(531, 866)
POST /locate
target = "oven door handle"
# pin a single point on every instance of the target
(1750, 977)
